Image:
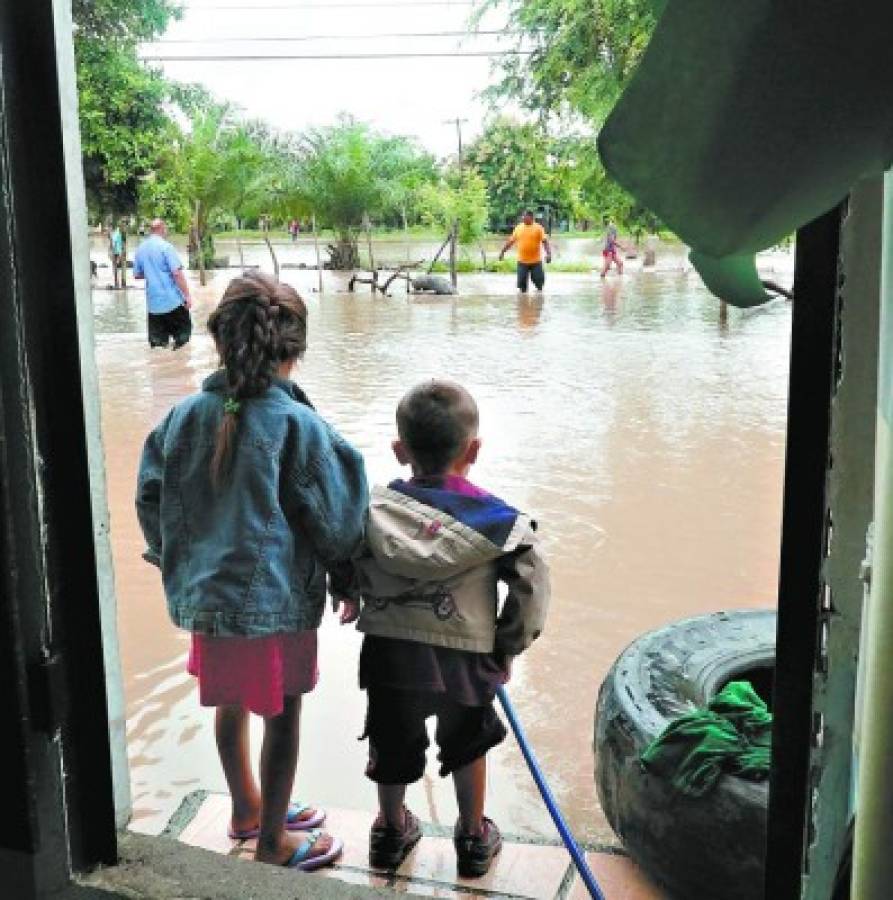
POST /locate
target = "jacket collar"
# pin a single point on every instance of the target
(216, 383)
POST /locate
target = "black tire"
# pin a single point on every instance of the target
(705, 848)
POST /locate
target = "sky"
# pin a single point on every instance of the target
(421, 97)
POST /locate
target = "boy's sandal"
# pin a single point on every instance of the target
(389, 846)
(293, 822)
(475, 852)
(301, 858)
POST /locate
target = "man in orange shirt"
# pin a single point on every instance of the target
(531, 239)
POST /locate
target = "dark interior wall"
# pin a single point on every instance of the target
(52, 677)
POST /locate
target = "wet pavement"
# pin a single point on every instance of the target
(646, 436)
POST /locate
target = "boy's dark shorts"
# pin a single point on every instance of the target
(395, 726)
(176, 325)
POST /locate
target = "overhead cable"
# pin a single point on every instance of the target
(287, 7)
(333, 37)
(153, 57)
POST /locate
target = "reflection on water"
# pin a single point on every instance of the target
(645, 438)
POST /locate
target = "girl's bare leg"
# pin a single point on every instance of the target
(231, 732)
(278, 761)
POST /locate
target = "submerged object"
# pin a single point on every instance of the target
(435, 284)
(693, 846)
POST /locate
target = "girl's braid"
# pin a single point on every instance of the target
(259, 324)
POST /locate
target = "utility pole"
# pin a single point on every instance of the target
(458, 123)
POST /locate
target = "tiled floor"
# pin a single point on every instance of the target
(522, 870)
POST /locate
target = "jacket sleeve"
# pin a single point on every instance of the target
(328, 499)
(523, 612)
(148, 492)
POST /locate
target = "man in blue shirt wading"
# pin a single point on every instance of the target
(167, 292)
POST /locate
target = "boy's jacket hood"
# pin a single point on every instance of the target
(425, 533)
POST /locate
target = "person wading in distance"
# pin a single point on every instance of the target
(168, 300)
(531, 239)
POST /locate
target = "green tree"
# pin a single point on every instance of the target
(583, 53)
(522, 166)
(124, 128)
(217, 167)
(345, 175)
(460, 199)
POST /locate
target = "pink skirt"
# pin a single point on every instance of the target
(255, 673)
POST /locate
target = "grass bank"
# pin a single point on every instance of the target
(507, 267)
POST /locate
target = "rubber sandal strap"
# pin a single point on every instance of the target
(303, 852)
(296, 809)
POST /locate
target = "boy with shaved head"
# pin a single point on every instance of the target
(438, 641)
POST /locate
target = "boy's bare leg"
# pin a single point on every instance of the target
(231, 732)
(390, 801)
(471, 787)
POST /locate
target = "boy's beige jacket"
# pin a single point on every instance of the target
(424, 576)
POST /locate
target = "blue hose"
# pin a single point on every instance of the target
(573, 848)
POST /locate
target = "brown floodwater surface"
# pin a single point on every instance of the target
(645, 437)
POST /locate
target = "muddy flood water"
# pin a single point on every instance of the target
(645, 436)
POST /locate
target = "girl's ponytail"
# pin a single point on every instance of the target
(259, 324)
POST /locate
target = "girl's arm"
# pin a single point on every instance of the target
(148, 492)
(328, 498)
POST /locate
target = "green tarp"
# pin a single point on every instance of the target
(749, 118)
(732, 735)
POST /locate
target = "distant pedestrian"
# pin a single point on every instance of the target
(294, 229)
(609, 249)
(118, 253)
(531, 239)
(246, 499)
(168, 300)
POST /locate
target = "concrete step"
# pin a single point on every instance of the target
(524, 870)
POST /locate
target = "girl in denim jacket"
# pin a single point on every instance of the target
(247, 498)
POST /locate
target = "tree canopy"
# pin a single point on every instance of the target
(583, 53)
(124, 127)
(459, 198)
(523, 166)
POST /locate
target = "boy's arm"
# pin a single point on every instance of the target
(523, 613)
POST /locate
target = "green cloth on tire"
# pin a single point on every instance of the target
(733, 735)
(746, 120)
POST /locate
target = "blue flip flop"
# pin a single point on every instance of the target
(301, 858)
(293, 822)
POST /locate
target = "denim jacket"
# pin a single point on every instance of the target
(250, 558)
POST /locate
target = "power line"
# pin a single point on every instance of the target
(317, 56)
(333, 37)
(398, 4)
